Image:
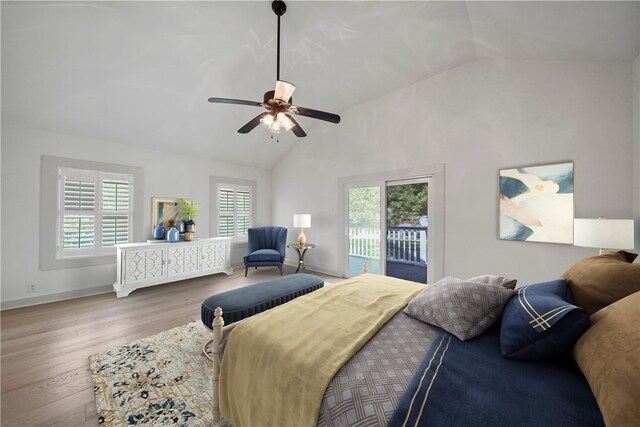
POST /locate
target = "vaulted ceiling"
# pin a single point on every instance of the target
(141, 72)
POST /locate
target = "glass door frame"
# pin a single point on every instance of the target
(436, 251)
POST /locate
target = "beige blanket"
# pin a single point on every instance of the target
(277, 364)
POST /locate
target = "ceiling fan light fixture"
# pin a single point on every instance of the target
(267, 120)
(284, 121)
(276, 123)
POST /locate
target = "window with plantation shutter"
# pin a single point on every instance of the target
(95, 212)
(234, 211)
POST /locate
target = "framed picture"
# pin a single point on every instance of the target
(536, 203)
(164, 210)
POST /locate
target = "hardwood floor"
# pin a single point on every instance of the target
(46, 379)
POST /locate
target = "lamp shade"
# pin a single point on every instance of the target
(302, 220)
(603, 233)
(284, 90)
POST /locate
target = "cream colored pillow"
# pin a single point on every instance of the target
(609, 357)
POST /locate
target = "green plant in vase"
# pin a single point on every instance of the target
(188, 211)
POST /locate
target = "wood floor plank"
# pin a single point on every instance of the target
(18, 375)
(74, 417)
(45, 392)
(91, 413)
(45, 349)
(43, 413)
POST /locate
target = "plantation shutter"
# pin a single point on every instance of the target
(95, 212)
(116, 212)
(243, 208)
(225, 216)
(234, 211)
(77, 212)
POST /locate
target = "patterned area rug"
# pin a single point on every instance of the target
(160, 380)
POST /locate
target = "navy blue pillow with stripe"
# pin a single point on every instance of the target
(541, 321)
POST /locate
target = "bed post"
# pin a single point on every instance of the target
(218, 324)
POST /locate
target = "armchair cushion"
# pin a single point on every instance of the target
(263, 255)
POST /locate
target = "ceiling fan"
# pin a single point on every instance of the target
(278, 102)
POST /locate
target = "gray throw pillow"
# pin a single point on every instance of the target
(461, 307)
(490, 279)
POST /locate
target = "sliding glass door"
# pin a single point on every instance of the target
(407, 229)
(363, 231)
(386, 228)
(392, 223)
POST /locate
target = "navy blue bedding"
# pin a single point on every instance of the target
(471, 384)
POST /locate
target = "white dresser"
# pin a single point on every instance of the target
(147, 264)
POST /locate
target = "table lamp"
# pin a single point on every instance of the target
(302, 221)
(603, 233)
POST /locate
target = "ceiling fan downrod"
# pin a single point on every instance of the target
(279, 103)
(279, 8)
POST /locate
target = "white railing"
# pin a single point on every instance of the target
(407, 244)
(364, 242)
(403, 244)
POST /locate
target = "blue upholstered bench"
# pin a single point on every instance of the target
(245, 302)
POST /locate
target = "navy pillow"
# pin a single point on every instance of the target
(541, 321)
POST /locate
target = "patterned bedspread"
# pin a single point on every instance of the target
(366, 390)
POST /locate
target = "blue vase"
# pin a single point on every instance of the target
(173, 235)
(158, 232)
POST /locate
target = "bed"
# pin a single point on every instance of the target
(382, 366)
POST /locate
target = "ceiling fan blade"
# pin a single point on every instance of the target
(252, 123)
(296, 129)
(316, 114)
(235, 101)
(284, 90)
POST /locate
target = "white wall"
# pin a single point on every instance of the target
(167, 175)
(475, 119)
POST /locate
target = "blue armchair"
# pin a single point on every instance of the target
(266, 246)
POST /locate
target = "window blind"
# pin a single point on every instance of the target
(244, 201)
(234, 211)
(79, 195)
(225, 199)
(243, 207)
(243, 224)
(115, 230)
(115, 195)
(78, 216)
(95, 212)
(78, 231)
(115, 212)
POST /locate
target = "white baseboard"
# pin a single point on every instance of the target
(310, 267)
(61, 296)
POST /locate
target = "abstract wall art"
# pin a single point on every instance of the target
(164, 210)
(536, 203)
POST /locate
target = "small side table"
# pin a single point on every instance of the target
(301, 249)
